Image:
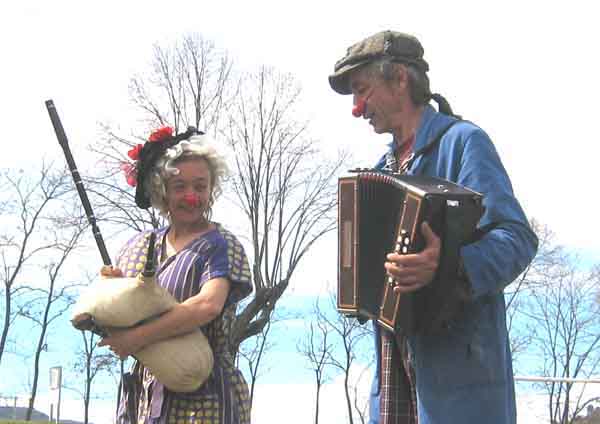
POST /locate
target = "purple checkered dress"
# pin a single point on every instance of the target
(223, 398)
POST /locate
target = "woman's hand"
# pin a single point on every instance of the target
(107, 271)
(413, 271)
(123, 342)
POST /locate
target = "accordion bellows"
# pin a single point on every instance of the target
(181, 363)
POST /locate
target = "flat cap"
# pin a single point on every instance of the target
(397, 46)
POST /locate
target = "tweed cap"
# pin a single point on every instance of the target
(397, 46)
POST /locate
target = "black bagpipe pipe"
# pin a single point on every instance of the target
(64, 143)
(149, 268)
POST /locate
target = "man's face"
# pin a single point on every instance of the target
(382, 105)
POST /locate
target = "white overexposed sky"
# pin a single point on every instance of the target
(525, 71)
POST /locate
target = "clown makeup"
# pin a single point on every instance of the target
(359, 108)
(189, 192)
(192, 199)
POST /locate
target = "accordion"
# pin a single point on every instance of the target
(380, 213)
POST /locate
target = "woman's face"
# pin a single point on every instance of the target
(188, 193)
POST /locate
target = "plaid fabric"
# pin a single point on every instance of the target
(398, 398)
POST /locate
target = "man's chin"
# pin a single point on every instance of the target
(374, 126)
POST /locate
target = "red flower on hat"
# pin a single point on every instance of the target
(134, 153)
(130, 172)
(161, 134)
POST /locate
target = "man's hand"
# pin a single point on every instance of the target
(413, 271)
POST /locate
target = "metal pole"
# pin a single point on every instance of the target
(557, 379)
(56, 384)
(58, 405)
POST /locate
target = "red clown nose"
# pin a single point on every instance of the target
(359, 108)
(191, 199)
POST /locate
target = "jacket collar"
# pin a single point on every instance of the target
(431, 122)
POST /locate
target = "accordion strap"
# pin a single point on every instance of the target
(406, 165)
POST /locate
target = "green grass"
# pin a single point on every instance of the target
(20, 422)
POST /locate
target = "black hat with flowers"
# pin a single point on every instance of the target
(146, 156)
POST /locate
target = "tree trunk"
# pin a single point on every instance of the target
(317, 404)
(348, 401)
(38, 350)
(6, 321)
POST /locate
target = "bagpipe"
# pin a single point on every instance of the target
(181, 363)
(380, 213)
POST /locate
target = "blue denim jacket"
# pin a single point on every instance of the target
(464, 373)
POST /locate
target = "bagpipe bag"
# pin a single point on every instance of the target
(181, 363)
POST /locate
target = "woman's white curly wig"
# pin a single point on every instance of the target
(195, 147)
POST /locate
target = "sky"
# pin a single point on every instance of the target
(526, 72)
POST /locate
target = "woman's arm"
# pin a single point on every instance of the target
(194, 312)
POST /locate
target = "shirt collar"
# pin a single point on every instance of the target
(430, 122)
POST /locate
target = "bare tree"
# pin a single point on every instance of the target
(563, 318)
(90, 362)
(54, 299)
(548, 256)
(252, 353)
(317, 349)
(360, 406)
(349, 333)
(336, 342)
(189, 85)
(26, 238)
(285, 187)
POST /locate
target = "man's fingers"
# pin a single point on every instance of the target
(429, 235)
(407, 288)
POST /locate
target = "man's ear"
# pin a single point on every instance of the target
(401, 73)
(396, 75)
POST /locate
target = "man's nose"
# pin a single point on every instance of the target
(359, 106)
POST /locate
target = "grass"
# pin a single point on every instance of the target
(20, 422)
